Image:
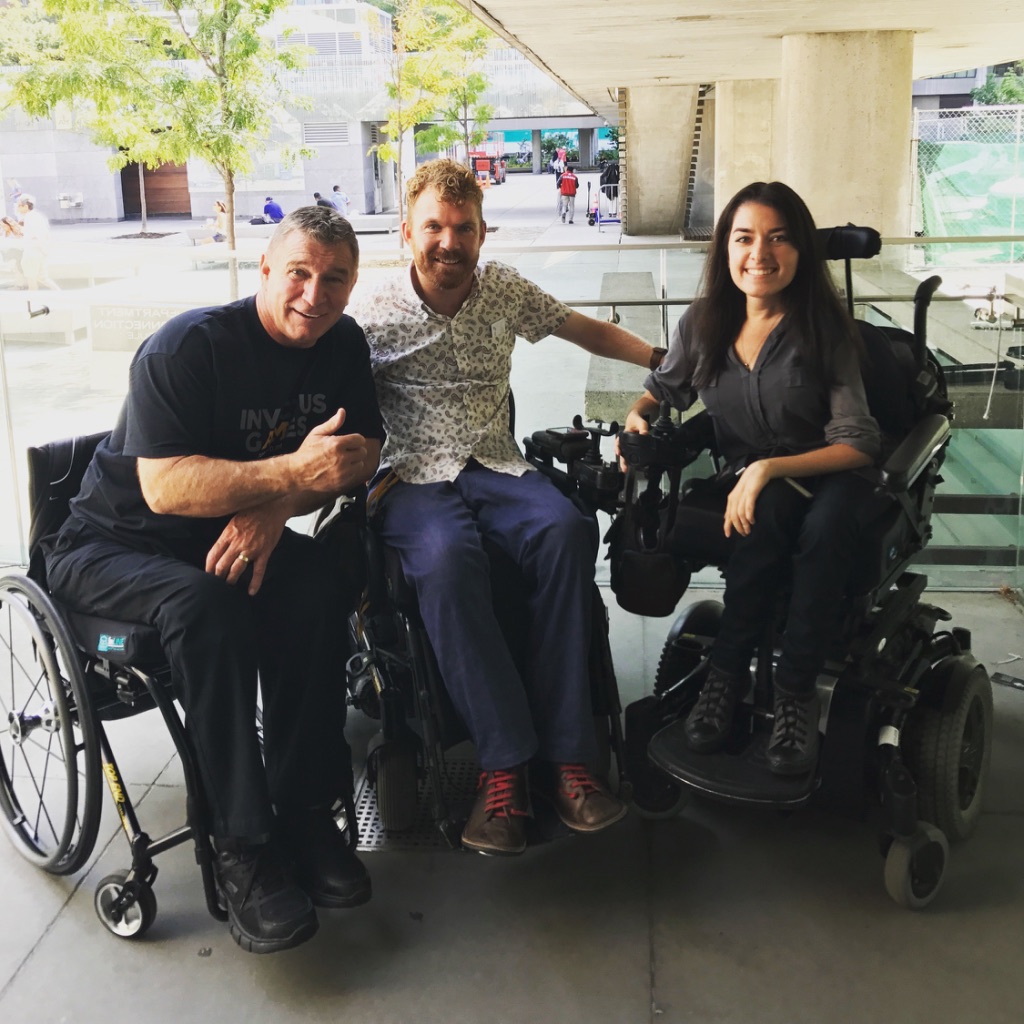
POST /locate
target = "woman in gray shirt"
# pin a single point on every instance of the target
(771, 351)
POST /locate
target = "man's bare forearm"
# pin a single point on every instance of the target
(195, 485)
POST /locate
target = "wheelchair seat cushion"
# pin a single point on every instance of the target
(123, 643)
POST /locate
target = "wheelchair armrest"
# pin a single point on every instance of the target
(915, 451)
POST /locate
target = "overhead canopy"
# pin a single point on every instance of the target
(593, 47)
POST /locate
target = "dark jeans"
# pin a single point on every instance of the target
(217, 638)
(812, 544)
(437, 530)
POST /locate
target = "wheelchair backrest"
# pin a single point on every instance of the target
(55, 472)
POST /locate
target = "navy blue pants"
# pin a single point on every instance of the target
(437, 531)
(812, 543)
(217, 638)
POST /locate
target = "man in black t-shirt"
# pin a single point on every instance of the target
(237, 418)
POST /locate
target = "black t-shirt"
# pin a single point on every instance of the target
(212, 382)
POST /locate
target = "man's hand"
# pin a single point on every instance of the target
(330, 464)
(247, 540)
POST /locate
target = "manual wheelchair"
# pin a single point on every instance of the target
(393, 676)
(64, 674)
(907, 708)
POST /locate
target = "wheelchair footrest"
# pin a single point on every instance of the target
(738, 774)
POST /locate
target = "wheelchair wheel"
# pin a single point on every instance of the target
(682, 652)
(134, 920)
(396, 784)
(914, 868)
(50, 778)
(949, 752)
(655, 795)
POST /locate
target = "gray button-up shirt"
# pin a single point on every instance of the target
(779, 406)
(443, 382)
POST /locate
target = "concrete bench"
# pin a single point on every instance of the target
(1013, 291)
(612, 386)
(63, 325)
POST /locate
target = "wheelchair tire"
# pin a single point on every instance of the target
(685, 647)
(137, 918)
(949, 751)
(397, 785)
(655, 795)
(50, 776)
(915, 867)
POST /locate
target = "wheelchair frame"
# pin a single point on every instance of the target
(393, 675)
(69, 673)
(907, 709)
(62, 689)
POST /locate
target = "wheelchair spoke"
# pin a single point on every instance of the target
(41, 809)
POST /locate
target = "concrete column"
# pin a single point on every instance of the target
(846, 99)
(537, 159)
(747, 115)
(588, 147)
(659, 144)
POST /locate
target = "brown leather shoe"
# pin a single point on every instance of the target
(581, 800)
(497, 823)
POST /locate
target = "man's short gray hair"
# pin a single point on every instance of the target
(321, 224)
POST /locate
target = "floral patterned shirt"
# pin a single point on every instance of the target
(443, 382)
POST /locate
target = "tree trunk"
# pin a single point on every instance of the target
(142, 194)
(229, 202)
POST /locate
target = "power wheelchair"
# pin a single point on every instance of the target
(393, 676)
(907, 708)
(64, 674)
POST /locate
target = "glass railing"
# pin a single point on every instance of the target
(65, 371)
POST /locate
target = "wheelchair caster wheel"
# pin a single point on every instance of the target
(129, 921)
(658, 799)
(914, 867)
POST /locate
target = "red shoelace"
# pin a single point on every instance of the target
(576, 780)
(500, 798)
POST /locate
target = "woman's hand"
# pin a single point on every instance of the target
(739, 507)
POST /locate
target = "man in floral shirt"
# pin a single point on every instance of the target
(441, 335)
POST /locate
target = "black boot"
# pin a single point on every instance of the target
(793, 746)
(709, 723)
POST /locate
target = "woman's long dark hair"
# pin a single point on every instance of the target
(811, 299)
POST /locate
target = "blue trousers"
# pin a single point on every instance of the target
(437, 530)
(812, 543)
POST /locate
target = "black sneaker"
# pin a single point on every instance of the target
(267, 911)
(709, 723)
(793, 746)
(325, 866)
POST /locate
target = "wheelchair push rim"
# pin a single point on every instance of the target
(49, 757)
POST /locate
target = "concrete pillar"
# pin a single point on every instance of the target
(747, 115)
(846, 99)
(588, 147)
(659, 144)
(537, 159)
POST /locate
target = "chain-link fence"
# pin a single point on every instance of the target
(970, 168)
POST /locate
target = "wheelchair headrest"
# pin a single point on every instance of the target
(849, 242)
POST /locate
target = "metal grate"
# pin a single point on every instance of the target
(460, 776)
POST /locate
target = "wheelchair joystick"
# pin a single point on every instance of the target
(663, 427)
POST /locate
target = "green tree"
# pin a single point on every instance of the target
(1008, 89)
(26, 32)
(427, 57)
(463, 118)
(199, 79)
(552, 141)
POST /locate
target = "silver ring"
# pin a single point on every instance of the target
(243, 558)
